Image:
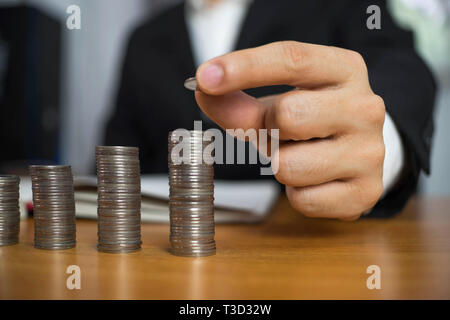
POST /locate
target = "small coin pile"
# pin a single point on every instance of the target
(119, 199)
(191, 199)
(9, 210)
(53, 207)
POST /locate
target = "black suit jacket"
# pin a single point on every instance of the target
(152, 100)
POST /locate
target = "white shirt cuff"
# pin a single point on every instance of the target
(394, 159)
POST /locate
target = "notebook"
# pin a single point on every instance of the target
(234, 201)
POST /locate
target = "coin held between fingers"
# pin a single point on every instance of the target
(191, 84)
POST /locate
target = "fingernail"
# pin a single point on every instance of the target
(211, 76)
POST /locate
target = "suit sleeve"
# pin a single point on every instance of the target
(402, 79)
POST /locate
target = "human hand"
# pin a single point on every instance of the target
(331, 151)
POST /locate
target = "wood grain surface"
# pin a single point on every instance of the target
(286, 257)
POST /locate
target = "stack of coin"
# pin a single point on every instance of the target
(53, 207)
(119, 199)
(191, 200)
(9, 210)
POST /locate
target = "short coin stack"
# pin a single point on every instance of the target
(9, 210)
(53, 207)
(119, 199)
(191, 199)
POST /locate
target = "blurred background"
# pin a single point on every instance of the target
(65, 81)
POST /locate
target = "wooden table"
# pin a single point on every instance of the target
(286, 257)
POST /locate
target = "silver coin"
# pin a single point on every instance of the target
(118, 211)
(191, 84)
(119, 199)
(191, 199)
(54, 207)
(116, 150)
(120, 250)
(9, 210)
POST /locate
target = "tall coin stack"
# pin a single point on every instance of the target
(53, 207)
(119, 199)
(191, 199)
(9, 210)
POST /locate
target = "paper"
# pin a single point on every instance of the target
(235, 201)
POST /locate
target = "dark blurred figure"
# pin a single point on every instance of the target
(30, 50)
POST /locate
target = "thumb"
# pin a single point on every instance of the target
(236, 110)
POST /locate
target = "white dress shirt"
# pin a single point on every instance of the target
(214, 27)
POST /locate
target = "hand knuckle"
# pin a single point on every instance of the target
(293, 113)
(294, 55)
(378, 110)
(379, 151)
(374, 194)
(355, 58)
(303, 201)
(369, 194)
(283, 111)
(357, 64)
(373, 110)
(284, 174)
(378, 190)
(289, 117)
(371, 154)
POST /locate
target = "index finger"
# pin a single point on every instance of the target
(279, 63)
